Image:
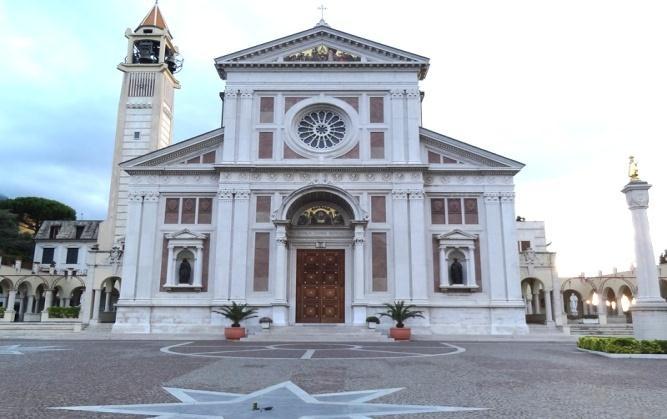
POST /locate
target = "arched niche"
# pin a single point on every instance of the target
(457, 248)
(183, 246)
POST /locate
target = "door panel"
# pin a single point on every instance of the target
(320, 286)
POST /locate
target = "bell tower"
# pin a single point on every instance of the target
(145, 111)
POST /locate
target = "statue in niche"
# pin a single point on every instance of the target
(574, 302)
(184, 272)
(456, 272)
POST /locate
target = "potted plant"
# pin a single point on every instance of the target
(236, 313)
(265, 322)
(372, 322)
(400, 312)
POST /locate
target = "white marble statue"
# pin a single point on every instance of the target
(574, 301)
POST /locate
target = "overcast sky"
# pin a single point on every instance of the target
(570, 88)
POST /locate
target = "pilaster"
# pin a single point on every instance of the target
(223, 244)
(245, 137)
(495, 261)
(401, 234)
(509, 237)
(132, 241)
(229, 122)
(146, 264)
(418, 251)
(413, 122)
(240, 244)
(398, 148)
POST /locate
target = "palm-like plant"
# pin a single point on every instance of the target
(237, 312)
(399, 312)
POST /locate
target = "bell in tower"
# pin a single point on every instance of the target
(151, 43)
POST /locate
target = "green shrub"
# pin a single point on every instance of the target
(615, 345)
(64, 312)
(2, 311)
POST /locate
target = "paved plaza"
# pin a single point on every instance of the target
(424, 379)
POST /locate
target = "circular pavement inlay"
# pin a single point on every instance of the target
(305, 350)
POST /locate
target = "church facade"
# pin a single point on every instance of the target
(320, 198)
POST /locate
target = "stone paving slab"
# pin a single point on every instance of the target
(510, 379)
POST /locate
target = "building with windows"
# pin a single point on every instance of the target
(319, 199)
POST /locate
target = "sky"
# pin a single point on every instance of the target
(570, 88)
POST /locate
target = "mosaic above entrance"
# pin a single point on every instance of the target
(320, 216)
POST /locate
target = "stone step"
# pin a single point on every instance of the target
(323, 333)
(604, 330)
(24, 326)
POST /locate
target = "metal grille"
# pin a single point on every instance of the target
(141, 84)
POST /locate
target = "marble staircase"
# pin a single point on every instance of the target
(618, 329)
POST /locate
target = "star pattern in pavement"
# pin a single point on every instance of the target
(284, 400)
(22, 350)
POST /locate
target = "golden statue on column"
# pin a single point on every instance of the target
(633, 170)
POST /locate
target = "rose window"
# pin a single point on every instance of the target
(321, 129)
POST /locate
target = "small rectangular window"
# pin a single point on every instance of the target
(266, 110)
(188, 210)
(437, 211)
(352, 101)
(47, 255)
(454, 214)
(137, 135)
(433, 157)
(291, 101)
(171, 211)
(263, 209)
(524, 245)
(208, 157)
(204, 211)
(261, 271)
(471, 216)
(377, 145)
(194, 160)
(72, 256)
(265, 147)
(379, 261)
(377, 110)
(378, 209)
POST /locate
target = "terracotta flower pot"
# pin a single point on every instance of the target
(234, 333)
(400, 333)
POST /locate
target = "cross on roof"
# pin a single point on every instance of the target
(322, 8)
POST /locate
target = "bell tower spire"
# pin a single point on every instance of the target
(145, 111)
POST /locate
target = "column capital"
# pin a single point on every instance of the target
(151, 196)
(231, 92)
(135, 196)
(412, 93)
(397, 93)
(246, 93)
(242, 194)
(399, 194)
(507, 196)
(416, 194)
(491, 197)
(636, 195)
(225, 194)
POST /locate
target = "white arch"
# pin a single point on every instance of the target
(358, 213)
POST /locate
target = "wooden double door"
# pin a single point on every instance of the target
(320, 286)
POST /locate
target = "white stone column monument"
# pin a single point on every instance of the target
(649, 314)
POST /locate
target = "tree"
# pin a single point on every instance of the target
(33, 211)
(12, 243)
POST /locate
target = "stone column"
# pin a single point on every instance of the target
(97, 297)
(128, 289)
(418, 251)
(31, 301)
(229, 122)
(401, 246)
(397, 132)
(619, 306)
(494, 247)
(529, 305)
(413, 122)
(21, 308)
(558, 306)
(547, 308)
(146, 269)
(245, 137)
(602, 309)
(649, 314)
(107, 300)
(223, 239)
(48, 300)
(442, 263)
(239, 264)
(536, 301)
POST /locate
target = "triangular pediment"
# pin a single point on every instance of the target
(320, 46)
(185, 234)
(446, 153)
(457, 235)
(198, 151)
